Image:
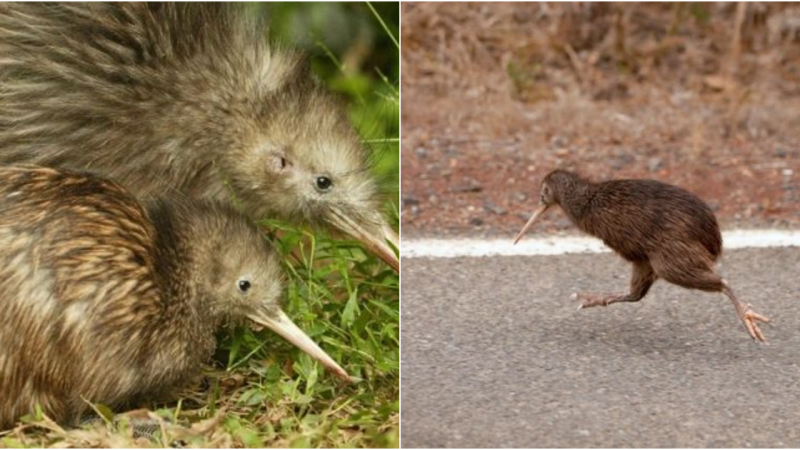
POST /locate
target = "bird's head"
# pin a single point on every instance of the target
(549, 194)
(240, 278)
(302, 161)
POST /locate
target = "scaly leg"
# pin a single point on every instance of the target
(749, 317)
(141, 422)
(695, 273)
(643, 277)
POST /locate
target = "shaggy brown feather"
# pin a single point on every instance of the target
(106, 301)
(184, 97)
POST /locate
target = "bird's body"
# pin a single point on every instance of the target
(665, 231)
(189, 98)
(104, 300)
(638, 218)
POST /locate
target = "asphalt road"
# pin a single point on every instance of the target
(494, 353)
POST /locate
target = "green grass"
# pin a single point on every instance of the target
(260, 391)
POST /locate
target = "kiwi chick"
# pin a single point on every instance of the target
(665, 231)
(104, 300)
(184, 97)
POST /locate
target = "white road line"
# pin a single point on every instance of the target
(559, 245)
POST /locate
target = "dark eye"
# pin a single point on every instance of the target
(283, 162)
(244, 285)
(324, 183)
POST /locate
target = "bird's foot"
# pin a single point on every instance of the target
(589, 300)
(142, 423)
(751, 319)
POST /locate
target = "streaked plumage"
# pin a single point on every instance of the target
(108, 301)
(184, 97)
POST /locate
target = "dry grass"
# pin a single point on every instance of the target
(496, 95)
(594, 46)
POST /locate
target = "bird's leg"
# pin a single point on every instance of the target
(141, 422)
(749, 317)
(642, 278)
(693, 273)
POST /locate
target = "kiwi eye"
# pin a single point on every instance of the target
(324, 183)
(244, 285)
(283, 162)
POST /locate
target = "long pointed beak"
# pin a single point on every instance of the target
(283, 325)
(374, 241)
(536, 214)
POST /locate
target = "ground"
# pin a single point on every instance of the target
(495, 354)
(494, 97)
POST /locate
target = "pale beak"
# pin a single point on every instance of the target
(283, 325)
(536, 214)
(374, 241)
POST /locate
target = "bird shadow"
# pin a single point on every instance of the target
(645, 337)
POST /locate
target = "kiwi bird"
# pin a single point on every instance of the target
(108, 300)
(186, 97)
(665, 231)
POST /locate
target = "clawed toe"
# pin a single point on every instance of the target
(591, 300)
(756, 316)
(751, 319)
(577, 296)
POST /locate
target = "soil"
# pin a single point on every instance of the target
(494, 96)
